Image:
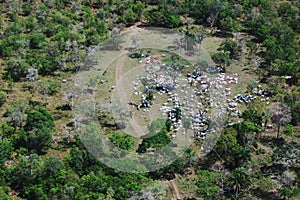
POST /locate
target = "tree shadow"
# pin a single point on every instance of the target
(274, 169)
(111, 125)
(208, 161)
(256, 40)
(70, 70)
(271, 141)
(172, 48)
(64, 107)
(264, 195)
(130, 49)
(41, 152)
(222, 34)
(109, 47)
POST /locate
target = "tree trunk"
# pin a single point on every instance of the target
(278, 129)
(237, 193)
(265, 126)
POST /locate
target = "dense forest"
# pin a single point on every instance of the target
(44, 43)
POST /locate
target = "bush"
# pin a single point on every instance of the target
(260, 151)
(16, 69)
(232, 47)
(207, 185)
(3, 97)
(53, 87)
(122, 141)
(289, 130)
(38, 126)
(27, 8)
(156, 141)
(285, 193)
(265, 184)
(296, 192)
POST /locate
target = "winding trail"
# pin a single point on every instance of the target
(172, 185)
(173, 189)
(134, 125)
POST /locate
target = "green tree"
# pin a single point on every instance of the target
(159, 16)
(252, 123)
(150, 96)
(36, 40)
(4, 193)
(222, 59)
(264, 184)
(168, 124)
(16, 69)
(232, 47)
(130, 17)
(295, 109)
(38, 126)
(54, 173)
(208, 185)
(122, 140)
(6, 150)
(3, 97)
(285, 193)
(155, 141)
(239, 180)
(230, 24)
(178, 114)
(16, 111)
(6, 130)
(289, 130)
(49, 87)
(35, 192)
(24, 174)
(81, 160)
(39, 118)
(27, 9)
(253, 116)
(231, 151)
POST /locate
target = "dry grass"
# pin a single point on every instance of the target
(211, 44)
(187, 184)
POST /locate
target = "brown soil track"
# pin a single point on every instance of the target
(173, 189)
(118, 74)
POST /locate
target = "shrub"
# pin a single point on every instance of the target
(3, 97)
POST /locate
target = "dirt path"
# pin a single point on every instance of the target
(173, 189)
(136, 128)
(120, 62)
